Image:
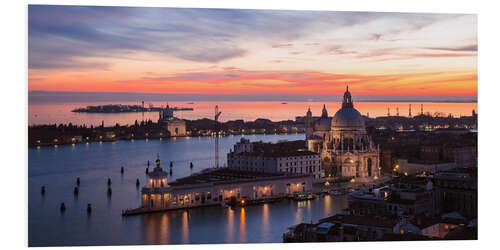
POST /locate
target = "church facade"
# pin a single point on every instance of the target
(173, 125)
(346, 149)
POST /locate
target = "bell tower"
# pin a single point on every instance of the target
(309, 123)
(347, 102)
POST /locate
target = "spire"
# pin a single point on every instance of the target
(324, 113)
(347, 102)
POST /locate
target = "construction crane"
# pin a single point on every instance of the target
(217, 114)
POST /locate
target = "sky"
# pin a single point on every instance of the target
(250, 54)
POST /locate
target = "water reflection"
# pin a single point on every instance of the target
(298, 215)
(243, 232)
(230, 225)
(327, 203)
(43, 113)
(185, 227)
(265, 222)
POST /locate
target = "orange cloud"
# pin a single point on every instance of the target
(291, 82)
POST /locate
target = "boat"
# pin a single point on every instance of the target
(336, 192)
(304, 197)
(284, 103)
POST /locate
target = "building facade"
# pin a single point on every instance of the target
(272, 158)
(345, 148)
(405, 196)
(457, 192)
(217, 186)
(173, 125)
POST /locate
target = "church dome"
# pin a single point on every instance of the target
(348, 118)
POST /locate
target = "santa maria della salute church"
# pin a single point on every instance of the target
(346, 149)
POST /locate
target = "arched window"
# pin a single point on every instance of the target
(369, 166)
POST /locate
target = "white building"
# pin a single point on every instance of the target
(218, 185)
(346, 149)
(173, 125)
(271, 158)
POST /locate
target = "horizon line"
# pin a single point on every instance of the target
(40, 96)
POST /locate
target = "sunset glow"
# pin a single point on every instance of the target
(216, 51)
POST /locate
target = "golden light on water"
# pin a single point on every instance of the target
(243, 232)
(265, 221)
(185, 227)
(230, 224)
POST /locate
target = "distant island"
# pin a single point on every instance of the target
(119, 108)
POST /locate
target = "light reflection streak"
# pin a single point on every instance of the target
(265, 230)
(230, 225)
(185, 227)
(243, 232)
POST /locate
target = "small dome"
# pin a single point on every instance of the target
(323, 124)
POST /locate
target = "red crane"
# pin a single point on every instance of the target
(217, 114)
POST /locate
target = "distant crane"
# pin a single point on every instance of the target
(217, 114)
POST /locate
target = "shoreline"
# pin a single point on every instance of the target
(151, 138)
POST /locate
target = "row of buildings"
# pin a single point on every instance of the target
(439, 206)
(348, 228)
(167, 126)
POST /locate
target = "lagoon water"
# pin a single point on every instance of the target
(60, 112)
(58, 168)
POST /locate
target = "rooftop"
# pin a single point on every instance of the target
(228, 175)
(279, 153)
(361, 220)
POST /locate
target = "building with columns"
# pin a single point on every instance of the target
(346, 149)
